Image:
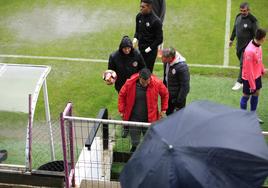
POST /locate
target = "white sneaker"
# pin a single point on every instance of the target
(237, 86)
(260, 121)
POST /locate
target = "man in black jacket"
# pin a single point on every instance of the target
(244, 30)
(176, 78)
(148, 33)
(159, 8)
(125, 61)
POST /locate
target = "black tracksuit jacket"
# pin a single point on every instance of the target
(178, 82)
(148, 31)
(244, 30)
(125, 65)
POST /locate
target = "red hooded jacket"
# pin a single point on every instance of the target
(127, 96)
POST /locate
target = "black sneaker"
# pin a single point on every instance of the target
(3, 155)
(125, 131)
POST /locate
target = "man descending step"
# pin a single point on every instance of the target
(138, 101)
(176, 78)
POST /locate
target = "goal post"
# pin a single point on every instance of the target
(17, 82)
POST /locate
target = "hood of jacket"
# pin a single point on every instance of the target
(125, 42)
(178, 58)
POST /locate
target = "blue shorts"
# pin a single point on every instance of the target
(246, 86)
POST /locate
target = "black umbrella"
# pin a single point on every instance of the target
(203, 145)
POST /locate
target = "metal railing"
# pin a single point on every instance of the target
(88, 147)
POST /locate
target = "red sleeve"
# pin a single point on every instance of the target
(163, 92)
(122, 99)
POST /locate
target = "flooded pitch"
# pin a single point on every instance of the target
(47, 24)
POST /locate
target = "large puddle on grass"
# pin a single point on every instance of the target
(45, 24)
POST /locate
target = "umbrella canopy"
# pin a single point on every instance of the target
(203, 145)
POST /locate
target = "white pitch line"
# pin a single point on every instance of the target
(98, 60)
(213, 66)
(52, 58)
(227, 34)
(3, 68)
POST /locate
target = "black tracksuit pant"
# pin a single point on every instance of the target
(149, 58)
(239, 54)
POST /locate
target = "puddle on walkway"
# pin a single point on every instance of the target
(46, 24)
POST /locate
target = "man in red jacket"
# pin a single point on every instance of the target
(138, 101)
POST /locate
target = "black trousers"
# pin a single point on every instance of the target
(135, 134)
(149, 58)
(239, 54)
(173, 106)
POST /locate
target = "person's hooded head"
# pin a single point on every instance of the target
(126, 46)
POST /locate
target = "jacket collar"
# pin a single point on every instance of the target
(178, 58)
(135, 77)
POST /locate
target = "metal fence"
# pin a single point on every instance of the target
(44, 171)
(94, 152)
(41, 150)
(14, 134)
(93, 149)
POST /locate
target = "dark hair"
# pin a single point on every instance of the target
(169, 52)
(145, 73)
(147, 1)
(260, 34)
(244, 5)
